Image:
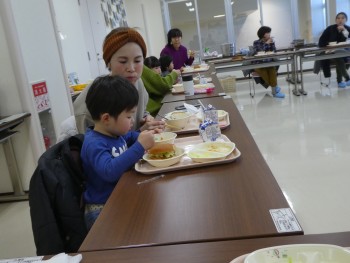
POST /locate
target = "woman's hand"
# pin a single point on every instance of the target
(149, 123)
(191, 53)
(340, 28)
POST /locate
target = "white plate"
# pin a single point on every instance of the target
(300, 253)
(211, 151)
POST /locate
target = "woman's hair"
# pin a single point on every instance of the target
(165, 62)
(151, 62)
(263, 30)
(112, 95)
(174, 32)
(342, 13)
(117, 38)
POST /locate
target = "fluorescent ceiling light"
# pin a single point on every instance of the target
(191, 9)
(218, 16)
(189, 4)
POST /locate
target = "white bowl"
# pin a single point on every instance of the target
(177, 120)
(201, 156)
(165, 162)
(165, 137)
(306, 253)
(178, 87)
(221, 114)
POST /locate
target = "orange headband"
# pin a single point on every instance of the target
(119, 39)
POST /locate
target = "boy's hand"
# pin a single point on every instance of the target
(146, 139)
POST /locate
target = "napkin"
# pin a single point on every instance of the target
(190, 108)
(62, 258)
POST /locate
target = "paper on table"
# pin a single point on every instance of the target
(62, 258)
(190, 108)
(22, 260)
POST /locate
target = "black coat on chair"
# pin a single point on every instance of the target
(55, 195)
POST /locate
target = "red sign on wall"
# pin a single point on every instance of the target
(41, 96)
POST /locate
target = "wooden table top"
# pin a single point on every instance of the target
(209, 252)
(222, 202)
(169, 97)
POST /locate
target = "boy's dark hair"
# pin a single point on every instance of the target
(112, 95)
(174, 32)
(151, 62)
(263, 30)
(165, 62)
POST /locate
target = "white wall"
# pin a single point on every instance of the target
(147, 15)
(29, 52)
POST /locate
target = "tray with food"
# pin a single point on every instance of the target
(182, 122)
(198, 88)
(185, 153)
(195, 68)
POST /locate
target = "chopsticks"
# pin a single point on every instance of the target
(201, 103)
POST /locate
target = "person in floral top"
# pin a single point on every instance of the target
(265, 43)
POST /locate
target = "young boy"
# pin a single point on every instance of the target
(153, 63)
(110, 148)
(166, 65)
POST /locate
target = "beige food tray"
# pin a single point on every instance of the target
(198, 88)
(186, 162)
(188, 70)
(193, 125)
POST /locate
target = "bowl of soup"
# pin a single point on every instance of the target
(177, 119)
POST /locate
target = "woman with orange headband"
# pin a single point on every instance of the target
(124, 51)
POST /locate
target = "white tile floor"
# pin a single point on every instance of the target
(305, 140)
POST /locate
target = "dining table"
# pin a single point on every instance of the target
(209, 252)
(210, 203)
(210, 73)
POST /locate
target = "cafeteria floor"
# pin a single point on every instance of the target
(305, 140)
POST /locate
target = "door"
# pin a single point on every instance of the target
(95, 31)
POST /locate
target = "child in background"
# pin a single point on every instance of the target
(166, 65)
(110, 148)
(153, 63)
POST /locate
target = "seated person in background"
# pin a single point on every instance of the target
(166, 65)
(153, 63)
(110, 148)
(157, 86)
(266, 44)
(177, 51)
(338, 32)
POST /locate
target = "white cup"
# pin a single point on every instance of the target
(187, 82)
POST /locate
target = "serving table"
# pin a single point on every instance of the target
(7, 124)
(209, 252)
(213, 203)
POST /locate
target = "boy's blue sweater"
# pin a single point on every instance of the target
(104, 160)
